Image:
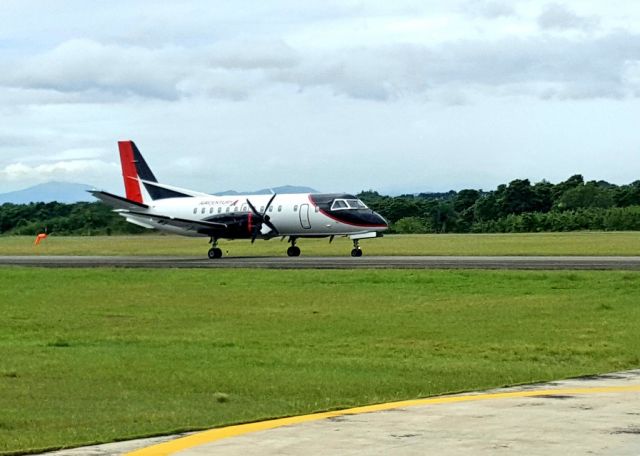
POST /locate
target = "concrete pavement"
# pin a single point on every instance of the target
(592, 415)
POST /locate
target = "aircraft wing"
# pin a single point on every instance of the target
(198, 226)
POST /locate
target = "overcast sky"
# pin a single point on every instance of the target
(398, 96)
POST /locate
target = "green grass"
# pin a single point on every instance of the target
(96, 355)
(577, 243)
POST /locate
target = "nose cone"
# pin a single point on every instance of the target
(381, 221)
(361, 218)
(372, 219)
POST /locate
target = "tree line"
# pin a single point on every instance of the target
(517, 207)
(84, 219)
(512, 208)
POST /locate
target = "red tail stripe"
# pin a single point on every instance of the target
(129, 172)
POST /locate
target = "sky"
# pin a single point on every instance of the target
(401, 97)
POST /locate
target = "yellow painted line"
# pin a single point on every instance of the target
(212, 435)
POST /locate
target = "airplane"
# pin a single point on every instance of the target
(190, 213)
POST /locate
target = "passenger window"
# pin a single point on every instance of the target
(203, 210)
(219, 209)
(228, 209)
(195, 210)
(270, 208)
(280, 208)
(244, 208)
(295, 208)
(210, 210)
(235, 208)
(261, 209)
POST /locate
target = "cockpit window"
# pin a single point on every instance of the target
(356, 204)
(341, 204)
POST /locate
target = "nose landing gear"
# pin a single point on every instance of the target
(356, 252)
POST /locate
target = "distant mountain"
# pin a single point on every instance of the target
(61, 192)
(72, 193)
(267, 191)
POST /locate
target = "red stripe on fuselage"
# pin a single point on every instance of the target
(129, 172)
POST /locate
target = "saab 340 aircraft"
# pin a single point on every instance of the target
(189, 213)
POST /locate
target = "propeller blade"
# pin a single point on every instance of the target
(253, 209)
(255, 227)
(262, 219)
(266, 208)
(272, 226)
(256, 230)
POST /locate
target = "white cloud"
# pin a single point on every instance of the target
(546, 67)
(88, 155)
(559, 17)
(69, 170)
(489, 9)
(87, 71)
(631, 74)
(250, 55)
(80, 66)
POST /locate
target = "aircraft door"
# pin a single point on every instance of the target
(304, 217)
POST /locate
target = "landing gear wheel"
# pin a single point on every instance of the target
(215, 253)
(293, 251)
(356, 252)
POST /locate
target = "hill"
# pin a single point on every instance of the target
(61, 192)
(266, 191)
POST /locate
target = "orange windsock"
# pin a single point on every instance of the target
(39, 238)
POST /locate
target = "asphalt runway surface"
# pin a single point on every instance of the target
(365, 262)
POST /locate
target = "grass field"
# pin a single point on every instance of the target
(96, 355)
(577, 243)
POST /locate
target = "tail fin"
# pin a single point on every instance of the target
(129, 170)
(136, 170)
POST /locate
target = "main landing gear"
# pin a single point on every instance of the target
(294, 250)
(214, 251)
(356, 252)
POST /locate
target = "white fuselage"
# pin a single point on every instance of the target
(293, 214)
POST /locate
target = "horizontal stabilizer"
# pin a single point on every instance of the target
(117, 202)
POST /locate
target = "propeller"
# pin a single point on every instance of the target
(262, 219)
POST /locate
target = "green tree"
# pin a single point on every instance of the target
(443, 217)
(518, 197)
(574, 181)
(583, 196)
(487, 208)
(542, 196)
(412, 225)
(464, 199)
(627, 195)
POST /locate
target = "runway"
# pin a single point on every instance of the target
(371, 262)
